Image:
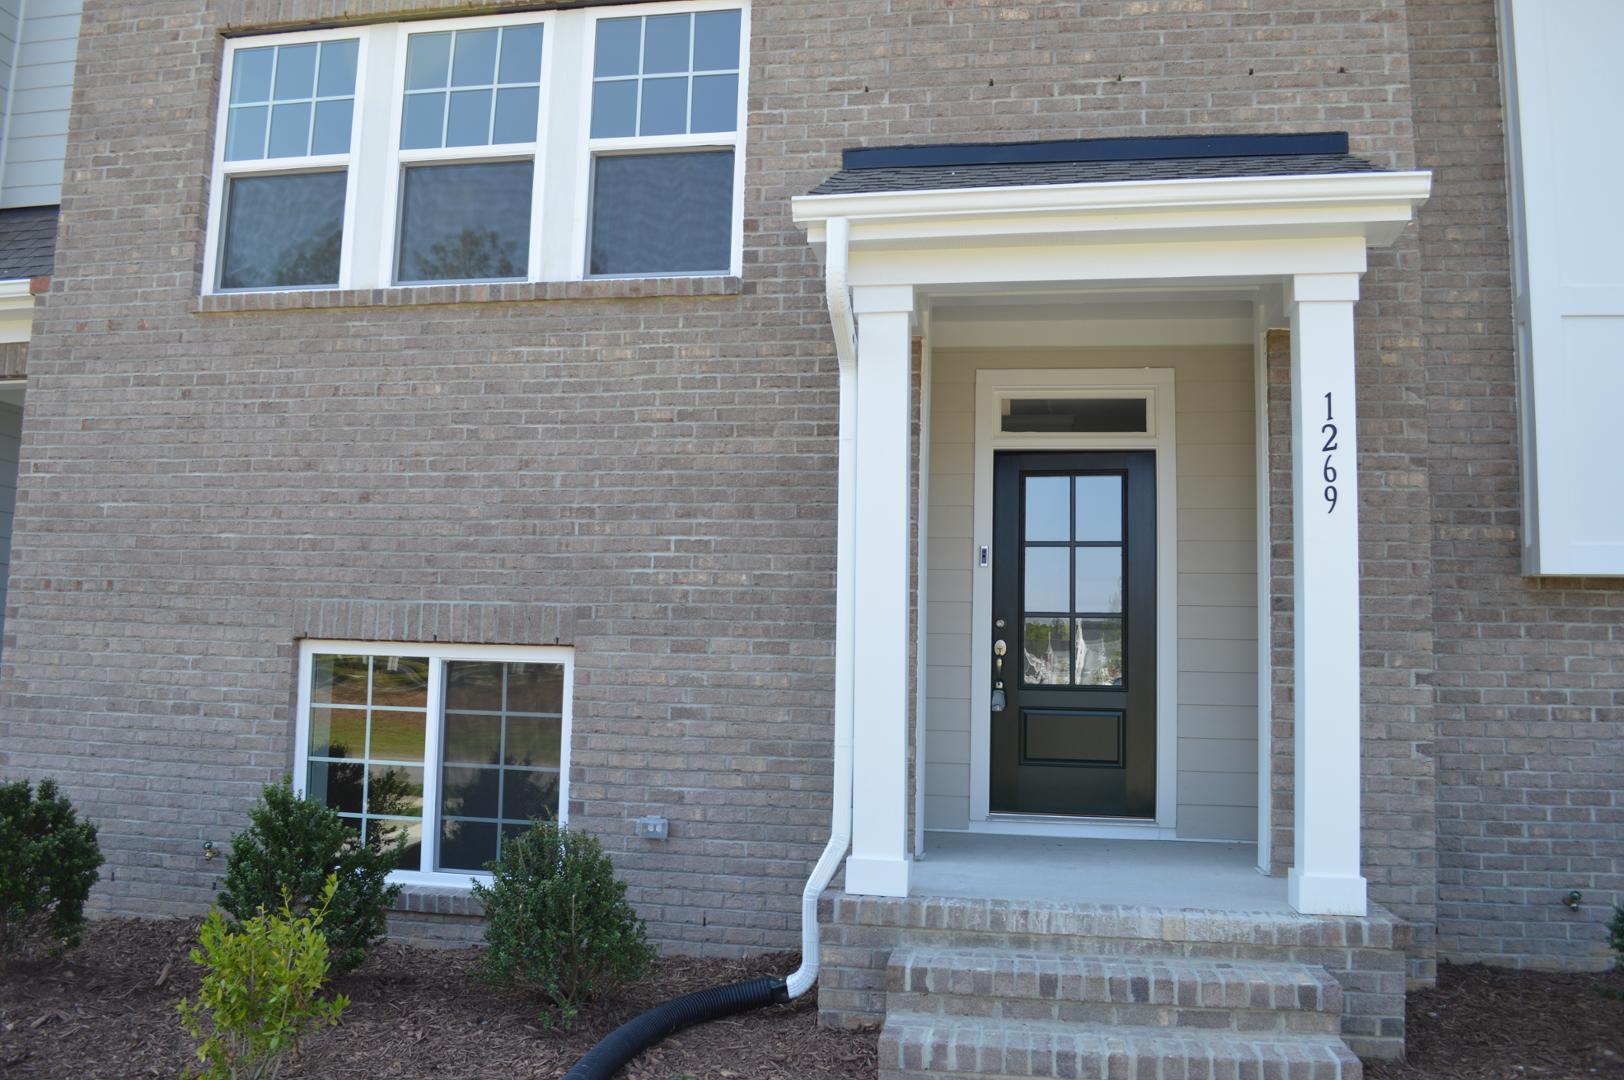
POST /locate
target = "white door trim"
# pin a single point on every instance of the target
(1157, 385)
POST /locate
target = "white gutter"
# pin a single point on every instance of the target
(840, 314)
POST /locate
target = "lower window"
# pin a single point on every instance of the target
(666, 213)
(456, 748)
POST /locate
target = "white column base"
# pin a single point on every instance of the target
(877, 877)
(1326, 894)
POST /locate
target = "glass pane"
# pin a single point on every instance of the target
(665, 107)
(469, 792)
(251, 75)
(716, 41)
(332, 135)
(473, 739)
(467, 845)
(396, 736)
(338, 733)
(466, 222)
(665, 43)
(535, 688)
(474, 59)
(469, 123)
(295, 72)
(1074, 414)
(245, 133)
(473, 684)
(532, 741)
(422, 125)
(1048, 508)
(614, 109)
(1099, 508)
(716, 103)
(428, 61)
(1099, 579)
(339, 679)
(617, 47)
(521, 55)
(394, 790)
(1048, 575)
(283, 231)
(337, 77)
(1099, 652)
(529, 794)
(337, 785)
(662, 213)
(401, 681)
(516, 115)
(290, 130)
(382, 834)
(1046, 652)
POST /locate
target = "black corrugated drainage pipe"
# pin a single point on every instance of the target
(641, 1032)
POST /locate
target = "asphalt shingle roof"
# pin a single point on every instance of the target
(27, 242)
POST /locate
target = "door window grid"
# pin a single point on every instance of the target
(1069, 642)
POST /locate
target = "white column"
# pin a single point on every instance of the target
(879, 862)
(1326, 879)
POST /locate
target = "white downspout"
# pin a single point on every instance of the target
(837, 245)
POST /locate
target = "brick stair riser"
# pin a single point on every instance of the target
(1244, 1021)
(1195, 1062)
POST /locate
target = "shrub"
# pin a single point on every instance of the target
(259, 994)
(1615, 933)
(290, 849)
(557, 921)
(48, 862)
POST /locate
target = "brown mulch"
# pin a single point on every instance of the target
(108, 1010)
(1483, 1023)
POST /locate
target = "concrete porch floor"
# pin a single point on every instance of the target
(1148, 873)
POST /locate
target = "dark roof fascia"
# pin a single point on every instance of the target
(1079, 150)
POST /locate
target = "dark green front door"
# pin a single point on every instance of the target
(1074, 604)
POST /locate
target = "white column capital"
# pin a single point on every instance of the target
(882, 299)
(1322, 288)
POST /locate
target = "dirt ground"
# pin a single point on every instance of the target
(108, 1010)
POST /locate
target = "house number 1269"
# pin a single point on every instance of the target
(1328, 473)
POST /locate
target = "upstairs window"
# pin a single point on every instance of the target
(530, 147)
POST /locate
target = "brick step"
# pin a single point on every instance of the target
(1141, 991)
(920, 1047)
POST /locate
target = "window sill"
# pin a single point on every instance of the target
(447, 899)
(506, 292)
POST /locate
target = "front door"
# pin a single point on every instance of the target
(1074, 634)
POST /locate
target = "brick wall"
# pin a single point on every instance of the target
(1528, 672)
(661, 467)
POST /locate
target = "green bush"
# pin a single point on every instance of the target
(259, 998)
(48, 862)
(557, 921)
(1615, 933)
(291, 847)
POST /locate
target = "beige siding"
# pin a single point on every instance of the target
(1217, 580)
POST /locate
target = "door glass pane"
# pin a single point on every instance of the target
(1099, 579)
(1099, 652)
(1048, 508)
(283, 231)
(1048, 576)
(1046, 652)
(1099, 508)
(466, 222)
(662, 213)
(1073, 414)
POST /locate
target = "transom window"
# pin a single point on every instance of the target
(528, 147)
(455, 748)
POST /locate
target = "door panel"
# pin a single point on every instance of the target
(1074, 603)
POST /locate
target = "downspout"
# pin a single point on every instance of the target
(638, 1034)
(837, 248)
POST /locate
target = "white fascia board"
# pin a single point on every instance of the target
(1376, 205)
(15, 293)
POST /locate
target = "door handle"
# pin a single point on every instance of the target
(998, 651)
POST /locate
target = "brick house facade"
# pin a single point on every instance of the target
(644, 470)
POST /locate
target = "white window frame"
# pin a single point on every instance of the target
(225, 171)
(562, 153)
(590, 149)
(438, 655)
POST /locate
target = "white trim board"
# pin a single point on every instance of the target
(1157, 385)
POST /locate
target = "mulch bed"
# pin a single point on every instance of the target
(1484, 1023)
(108, 1011)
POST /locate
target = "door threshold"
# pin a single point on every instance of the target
(1092, 828)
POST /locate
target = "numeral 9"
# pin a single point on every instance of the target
(1330, 497)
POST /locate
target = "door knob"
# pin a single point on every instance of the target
(998, 651)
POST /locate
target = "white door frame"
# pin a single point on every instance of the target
(1156, 385)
